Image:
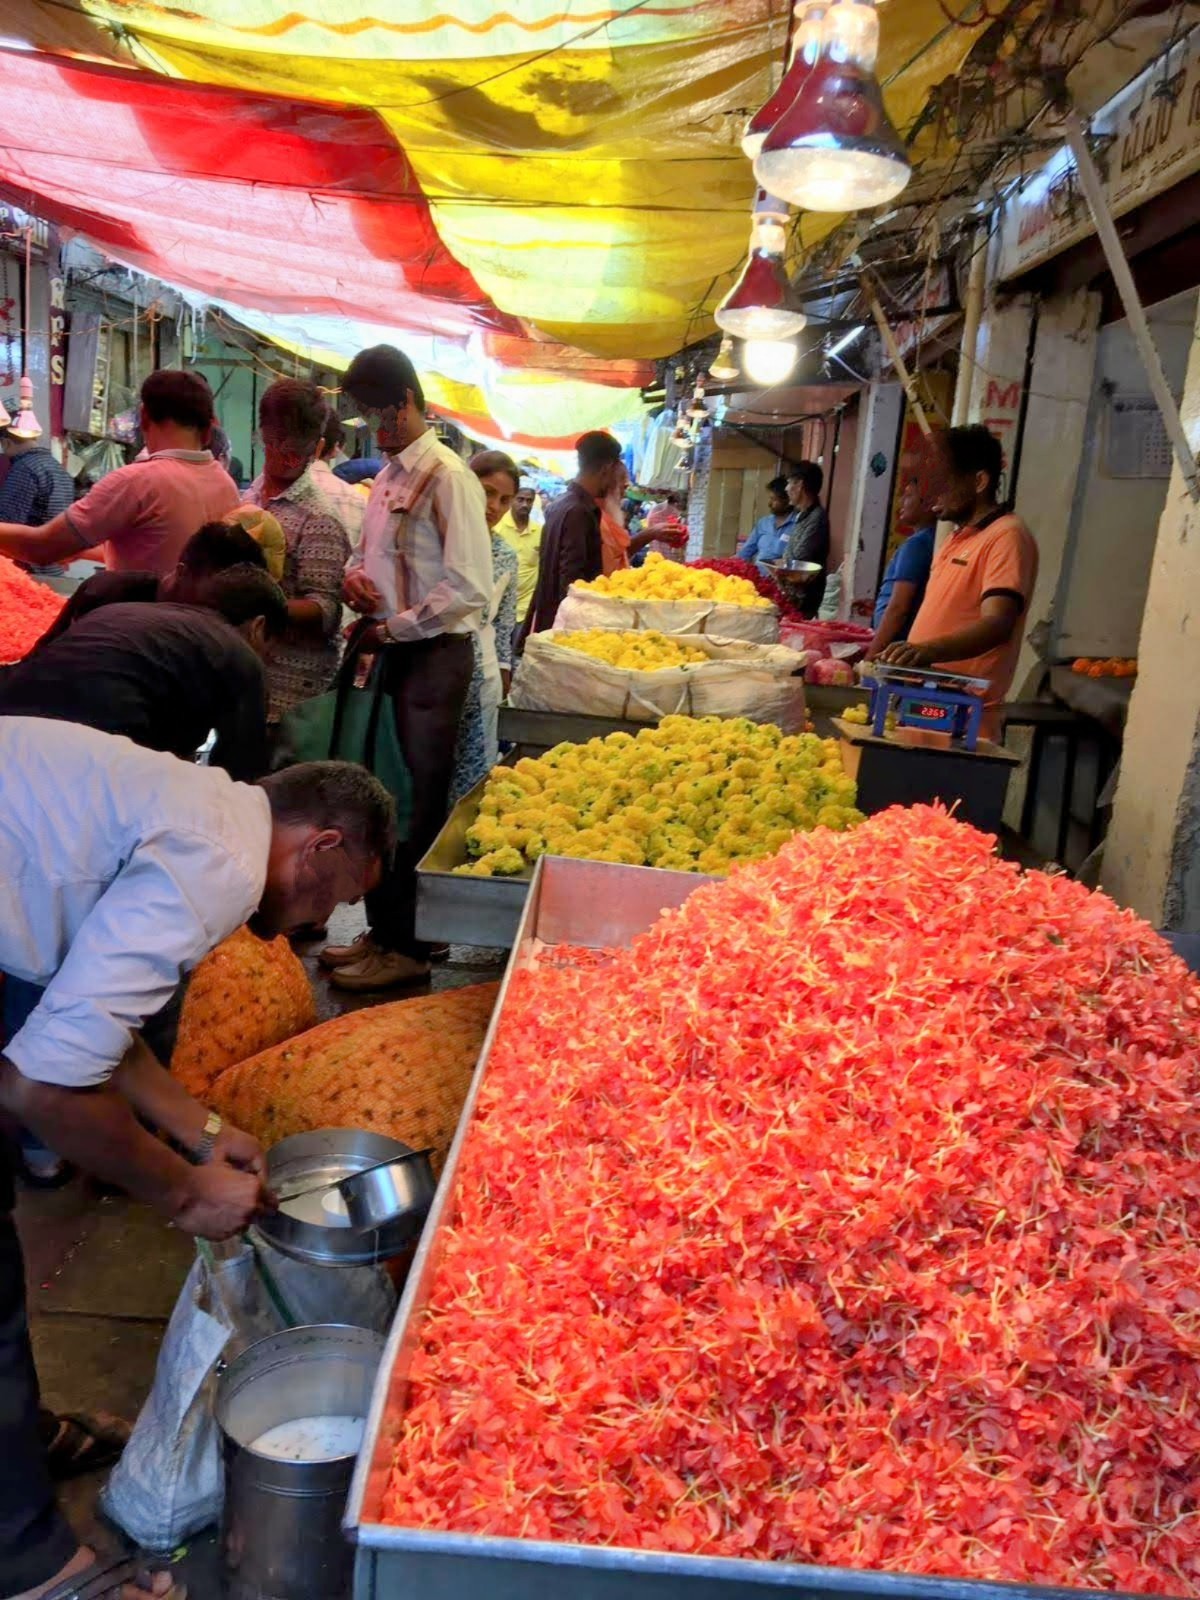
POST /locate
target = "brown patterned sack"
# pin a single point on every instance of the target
(401, 1069)
(245, 995)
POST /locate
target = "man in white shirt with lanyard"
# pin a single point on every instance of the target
(424, 572)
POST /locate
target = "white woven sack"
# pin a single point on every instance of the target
(738, 680)
(168, 1483)
(582, 609)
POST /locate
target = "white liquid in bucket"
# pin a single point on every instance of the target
(311, 1439)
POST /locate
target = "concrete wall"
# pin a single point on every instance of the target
(1106, 574)
(1152, 853)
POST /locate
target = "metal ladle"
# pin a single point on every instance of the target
(368, 1203)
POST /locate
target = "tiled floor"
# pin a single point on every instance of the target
(104, 1274)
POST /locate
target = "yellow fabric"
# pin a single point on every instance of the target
(584, 165)
(580, 158)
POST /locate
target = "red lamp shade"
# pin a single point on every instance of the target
(834, 148)
(762, 304)
(806, 46)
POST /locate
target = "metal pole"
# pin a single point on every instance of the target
(907, 380)
(1093, 189)
(972, 317)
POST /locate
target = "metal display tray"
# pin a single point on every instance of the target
(595, 904)
(455, 909)
(535, 732)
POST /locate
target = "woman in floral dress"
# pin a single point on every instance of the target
(478, 746)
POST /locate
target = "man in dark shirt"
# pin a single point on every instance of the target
(571, 548)
(37, 487)
(215, 548)
(164, 675)
(810, 536)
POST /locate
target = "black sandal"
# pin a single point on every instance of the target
(58, 1179)
(85, 1444)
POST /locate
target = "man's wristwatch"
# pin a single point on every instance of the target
(212, 1127)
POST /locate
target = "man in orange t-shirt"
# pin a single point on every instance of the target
(972, 618)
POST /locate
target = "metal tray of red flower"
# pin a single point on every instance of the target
(594, 905)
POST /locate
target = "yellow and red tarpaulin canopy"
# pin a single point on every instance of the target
(556, 183)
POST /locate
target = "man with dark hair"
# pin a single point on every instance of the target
(164, 675)
(292, 416)
(146, 512)
(972, 618)
(120, 869)
(37, 487)
(424, 573)
(214, 548)
(572, 550)
(768, 540)
(809, 538)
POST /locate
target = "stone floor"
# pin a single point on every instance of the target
(104, 1273)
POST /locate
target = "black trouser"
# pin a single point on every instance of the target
(427, 683)
(35, 1541)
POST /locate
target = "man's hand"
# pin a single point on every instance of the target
(904, 654)
(241, 1150)
(219, 1201)
(360, 594)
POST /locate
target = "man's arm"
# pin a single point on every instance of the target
(896, 616)
(241, 726)
(322, 554)
(810, 538)
(160, 1099)
(749, 550)
(579, 559)
(43, 546)
(96, 1129)
(998, 616)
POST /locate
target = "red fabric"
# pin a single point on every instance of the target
(285, 206)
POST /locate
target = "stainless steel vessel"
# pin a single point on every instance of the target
(281, 1535)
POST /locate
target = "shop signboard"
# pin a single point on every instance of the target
(1146, 139)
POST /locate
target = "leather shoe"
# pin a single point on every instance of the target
(380, 969)
(345, 955)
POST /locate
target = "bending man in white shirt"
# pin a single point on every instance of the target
(424, 572)
(120, 868)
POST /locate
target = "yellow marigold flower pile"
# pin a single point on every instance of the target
(660, 579)
(642, 652)
(695, 794)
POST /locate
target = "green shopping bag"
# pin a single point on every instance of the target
(347, 723)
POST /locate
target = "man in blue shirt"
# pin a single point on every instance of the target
(904, 581)
(37, 488)
(769, 537)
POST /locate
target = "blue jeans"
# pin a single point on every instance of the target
(20, 1000)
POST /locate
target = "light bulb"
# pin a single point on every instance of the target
(26, 425)
(834, 148)
(768, 361)
(806, 46)
(725, 368)
(762, 304)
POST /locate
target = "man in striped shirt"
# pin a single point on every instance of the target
(424, 573)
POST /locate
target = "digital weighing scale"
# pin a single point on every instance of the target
(935, 702)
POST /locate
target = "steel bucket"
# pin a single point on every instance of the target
(281, 1526)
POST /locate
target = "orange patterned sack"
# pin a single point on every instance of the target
(401, 1069)
(245, 995)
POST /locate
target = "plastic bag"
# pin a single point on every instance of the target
(761, 682)
(167, 1484)
(582, 609)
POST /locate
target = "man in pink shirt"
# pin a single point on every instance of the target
(145, 513)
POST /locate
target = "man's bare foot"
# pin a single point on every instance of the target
(157, 1585)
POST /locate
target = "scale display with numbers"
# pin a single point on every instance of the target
(935, 702)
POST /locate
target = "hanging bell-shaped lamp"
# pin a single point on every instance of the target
(806, 46)
(25, 425)
(769, 361)
(725, 368)
(762, 304)
(834, 148)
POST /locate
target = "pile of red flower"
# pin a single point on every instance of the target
(27, 608)
(851, 1216)
(734, 568)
